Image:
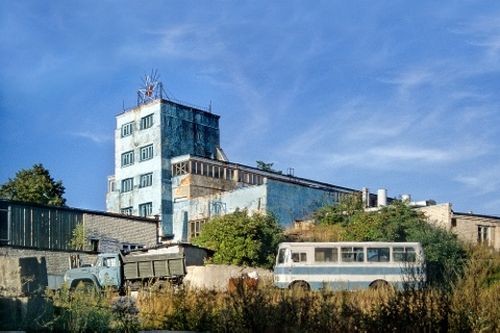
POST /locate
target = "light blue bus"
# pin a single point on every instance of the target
(348, 265)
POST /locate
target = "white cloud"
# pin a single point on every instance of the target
(484, 180)
(98, 138)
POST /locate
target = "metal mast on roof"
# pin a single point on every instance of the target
(151, 89)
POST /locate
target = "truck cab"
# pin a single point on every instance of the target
(106, 272)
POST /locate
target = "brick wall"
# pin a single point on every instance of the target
(112, 232)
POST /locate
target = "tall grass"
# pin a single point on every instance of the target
(472, 306)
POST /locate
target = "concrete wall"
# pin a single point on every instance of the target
(112, 232)
(17, 266)
(118, 200)
(187, 130)
(216, 277)
(289, 202)
(438, 215)
(467, 228)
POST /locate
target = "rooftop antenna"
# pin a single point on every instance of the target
(210, 106)
(151, 88)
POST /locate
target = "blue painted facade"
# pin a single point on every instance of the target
(184, 130)
(291, 201)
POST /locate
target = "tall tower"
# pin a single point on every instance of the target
(146, 138)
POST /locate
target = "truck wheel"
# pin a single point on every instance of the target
(84, 285)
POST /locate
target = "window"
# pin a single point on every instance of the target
(146, 180)
(377, 254)
(110, 262)
(146, 153)
(281, 256)
(126, 211)
(130, 247)
(111, 185)
(404, 254)
(146, 209)
(147, 122)
(453, 222)
(127, 184)
(128, 158)
(195, 228)
(180, 168)
(94, 245)
(325, 254)
(352, 254)
(299, 256)
(127, 129)
(484, 234)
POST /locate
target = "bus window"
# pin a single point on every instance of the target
(326, 254)
(377, 254)
(352, 254)
(299, 257)
(401, 254)
(281, 256)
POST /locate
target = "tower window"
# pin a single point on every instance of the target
(128, 158)
(147, 121)
(146, 209)
(146, 152)
(146, 180)
(127, 184)
(127, 129)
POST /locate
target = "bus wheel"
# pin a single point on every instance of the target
(379, 285)
(300, 285)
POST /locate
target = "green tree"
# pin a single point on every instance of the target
(34, 185)
(79, 239)
(267, 167)
(397, 222)
(342, 213)
(241, 239)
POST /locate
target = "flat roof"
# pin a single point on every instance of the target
(477, 215)
(79, 210)
(171, 101)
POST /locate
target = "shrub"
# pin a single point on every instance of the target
(241, 239)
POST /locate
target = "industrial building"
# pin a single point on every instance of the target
(169, 163)
(469, 227)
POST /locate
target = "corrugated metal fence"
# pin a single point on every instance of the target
(37, 227)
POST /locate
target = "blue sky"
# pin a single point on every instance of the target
(398, 95)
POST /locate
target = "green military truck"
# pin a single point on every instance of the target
(128, 270)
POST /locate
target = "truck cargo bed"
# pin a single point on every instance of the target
(148, 266)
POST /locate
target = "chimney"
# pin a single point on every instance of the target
(381, 197)
(365, 197)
